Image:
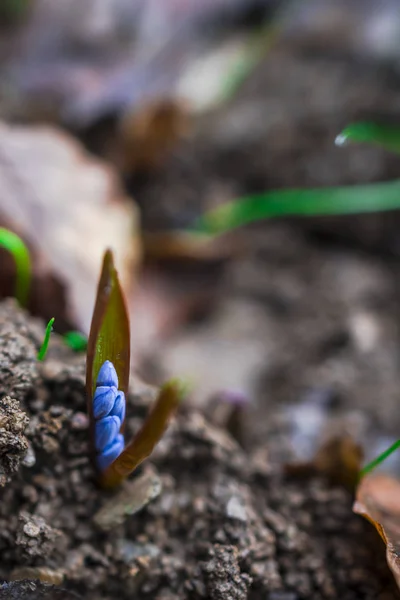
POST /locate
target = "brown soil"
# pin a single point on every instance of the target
(225, 525)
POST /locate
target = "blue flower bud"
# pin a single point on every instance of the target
(107, 375)
(110, 453)
(119, 406)
(105, 432)
(103, 401)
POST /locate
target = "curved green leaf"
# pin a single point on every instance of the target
(20, 253)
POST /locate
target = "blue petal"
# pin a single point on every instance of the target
(119, 406)
(110, 453)
(103, 401)
(107, 375)
(106, 431)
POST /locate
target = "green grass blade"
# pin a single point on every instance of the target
(379, 459)
(373, 197)
(387, 136)
(20, 253)
(43, 349)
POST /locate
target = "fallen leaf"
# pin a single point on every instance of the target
(378, 500)
(68, 207)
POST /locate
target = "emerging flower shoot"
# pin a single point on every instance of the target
(20, 253)
(41, 355)
(107, 383)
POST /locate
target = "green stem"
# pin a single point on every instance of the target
(379, 459)
(20, 253)
(43, 349)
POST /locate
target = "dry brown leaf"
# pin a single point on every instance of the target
(69, 207)
(378, 500)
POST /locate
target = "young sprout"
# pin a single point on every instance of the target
(45, 344)
(20, 253)
(107, 384)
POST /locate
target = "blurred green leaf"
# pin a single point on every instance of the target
(43, 349)
(20, 253)
(109, 337)
(76, 340)
(387, 136)
(373, 197)
(148, 436)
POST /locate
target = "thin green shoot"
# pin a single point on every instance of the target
(387, 136)
(43, 349)
(76, 340)
(20, 253)
(379, 459)
(373, 197)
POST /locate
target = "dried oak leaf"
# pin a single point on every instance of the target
(378, 500)
(68, 207)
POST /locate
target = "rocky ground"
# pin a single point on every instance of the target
(221, 522)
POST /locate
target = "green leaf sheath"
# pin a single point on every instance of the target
(373, 197)
(20, 253)
(387, 136)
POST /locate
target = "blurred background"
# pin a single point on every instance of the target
(124, 121)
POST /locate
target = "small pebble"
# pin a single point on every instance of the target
(79, 421)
